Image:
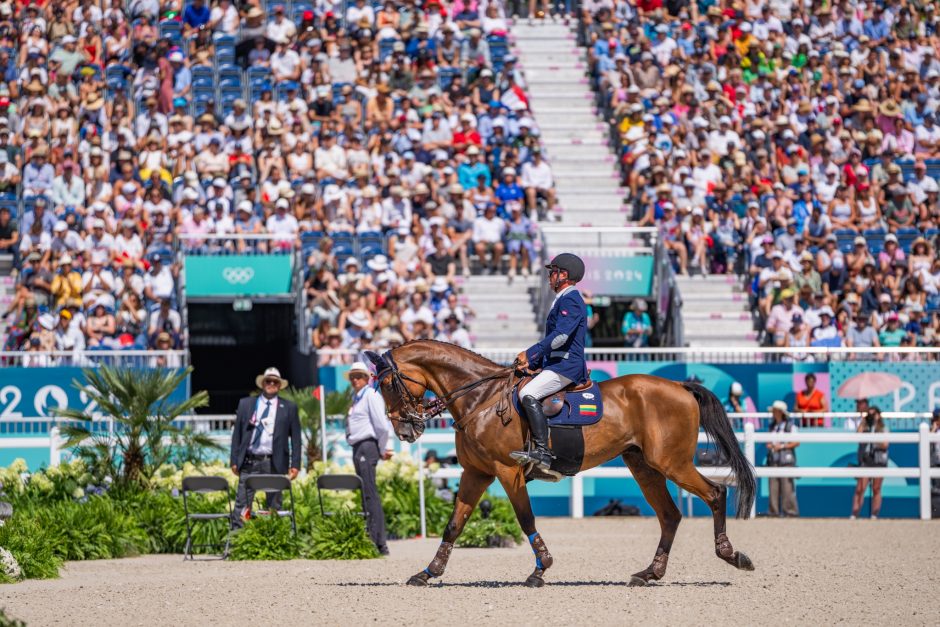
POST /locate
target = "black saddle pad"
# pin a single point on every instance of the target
(567, 444)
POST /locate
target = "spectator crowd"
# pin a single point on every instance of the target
(130, 131)
(793, 144)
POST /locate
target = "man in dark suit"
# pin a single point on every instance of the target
(265, 440)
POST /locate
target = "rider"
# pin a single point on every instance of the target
(560, 354)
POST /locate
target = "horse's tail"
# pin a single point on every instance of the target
(715, 422)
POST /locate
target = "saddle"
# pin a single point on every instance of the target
(554, 403)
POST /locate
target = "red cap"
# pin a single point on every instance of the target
(308, 15)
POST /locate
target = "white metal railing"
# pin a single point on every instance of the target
(241, 243)
(923, 471)
(729, 354)
(749, 438)
(896, 420)
(119, 358)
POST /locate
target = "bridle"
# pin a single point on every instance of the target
(414, 411)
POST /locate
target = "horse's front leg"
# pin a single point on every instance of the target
(512, 479)
(472, 486)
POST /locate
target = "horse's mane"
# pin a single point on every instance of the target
(467, 352)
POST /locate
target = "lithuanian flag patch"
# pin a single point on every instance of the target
(588, 410)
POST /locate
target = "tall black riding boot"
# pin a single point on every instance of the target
(539, 428)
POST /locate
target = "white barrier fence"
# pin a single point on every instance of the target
(749, 438)
(923, 438)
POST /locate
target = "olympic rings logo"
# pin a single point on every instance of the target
(238, 275)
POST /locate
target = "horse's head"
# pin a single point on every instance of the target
(402, 387)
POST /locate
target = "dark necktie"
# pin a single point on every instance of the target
(259, 428)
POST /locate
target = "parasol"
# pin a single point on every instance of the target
(869, 385)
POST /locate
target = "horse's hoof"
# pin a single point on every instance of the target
(420, 580)
(534, 581)
(743, 562)
(637, 582)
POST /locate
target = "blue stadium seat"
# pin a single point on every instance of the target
(499, 48)
(172, 30)
(297, 11)
(223, 39)
(228, 93)
(203, 76)
(385, 47)
(12, 205)
(203, 94)
(446, 75)
(344, 245)
(371, 243)
(257, 76)
(116, 76)
(845, 239)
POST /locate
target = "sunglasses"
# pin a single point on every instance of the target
(358, 376)
(272, 382)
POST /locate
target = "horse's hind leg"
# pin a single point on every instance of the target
(472, 486)
(715, 496)
(653, 484)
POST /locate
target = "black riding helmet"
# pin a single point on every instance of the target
(570, 263)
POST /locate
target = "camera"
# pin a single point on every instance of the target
(870, 420)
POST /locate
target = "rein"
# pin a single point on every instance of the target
(420, 412)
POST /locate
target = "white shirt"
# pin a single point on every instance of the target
(366, 419)
(488, 230)
(537, 176)
(266, 444)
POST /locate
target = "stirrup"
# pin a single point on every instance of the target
(541, 458)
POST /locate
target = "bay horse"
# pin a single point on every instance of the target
(653, 423)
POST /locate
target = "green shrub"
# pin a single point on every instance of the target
(7, 621)
(265, 538)
(209, 533)
(32, 545)
(341, 536)
(499, 530)
(401, 503)
(100, 528)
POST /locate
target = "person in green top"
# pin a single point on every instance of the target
(636, 327)
(892, 335)
(67, 55)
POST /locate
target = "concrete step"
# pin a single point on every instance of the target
(567, 172)
(495, 280)
(560, 97)
(710, 279)
(565, 124)
(496, 303)
(576, 185)
(737, 315)
(573, 141)
(488, 315)
(720, 343)
(499, 326)
(703, 298)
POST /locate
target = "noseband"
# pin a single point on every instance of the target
(417, 412)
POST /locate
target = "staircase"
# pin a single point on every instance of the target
(504, 312)
(586, 178)
(714, 312)
(575, 139)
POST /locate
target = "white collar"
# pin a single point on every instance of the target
(563, 292)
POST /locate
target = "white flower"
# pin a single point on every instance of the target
(9, 565)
